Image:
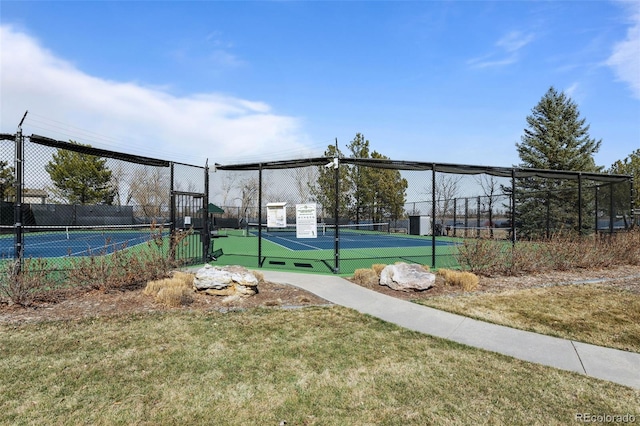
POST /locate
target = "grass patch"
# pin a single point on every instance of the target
(172, 292)
(329, 366)
(463, 279)
(596, 314)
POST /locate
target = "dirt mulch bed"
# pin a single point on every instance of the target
(75, 304)
(623, 277)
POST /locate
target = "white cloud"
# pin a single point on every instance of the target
(133, 118)
(572, 90)
(625, 58)
(490, 61)
(514, 41)
(507, 53)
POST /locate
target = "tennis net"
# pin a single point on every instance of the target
(322, 229)
(79, 231)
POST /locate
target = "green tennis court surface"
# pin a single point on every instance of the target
(281, 249)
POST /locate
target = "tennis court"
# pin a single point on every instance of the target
(72, 241)
(374, 236)
(359, 247)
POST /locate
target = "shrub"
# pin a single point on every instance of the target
(625, 247)
(21, 285)
(114, 267)
(560, 252)
(480, 256)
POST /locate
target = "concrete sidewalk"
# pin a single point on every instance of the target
(594, 361)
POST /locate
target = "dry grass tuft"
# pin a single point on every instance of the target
(445, 274)
(175, 296)
(366, 277)
(153, 287)
(172, 292)
(466, 280)
(378, 267)
(185, 277)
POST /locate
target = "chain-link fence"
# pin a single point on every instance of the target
(368, 211)
(64, 199)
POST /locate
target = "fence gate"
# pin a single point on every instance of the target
(189, 227)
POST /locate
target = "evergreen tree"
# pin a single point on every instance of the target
(80, 178)
(324, 193)
(360, 180)
(366, 193)
(7, 181)
(556, 139)
(389, 191)
(629, 166)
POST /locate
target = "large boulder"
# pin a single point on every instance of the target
(226, 281)
(407, 277)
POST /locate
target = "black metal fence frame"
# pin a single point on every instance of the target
(18, 204)
(513, 173)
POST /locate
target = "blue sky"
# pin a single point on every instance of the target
(233, 82)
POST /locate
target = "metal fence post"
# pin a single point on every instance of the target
(260, 261)
(611, 209)
(632, 205)
(172, 213)
(206, 226)
(579, 203)
(17, 206)
(433, 215)
(336, 244)
(513, 206)
(597, 206)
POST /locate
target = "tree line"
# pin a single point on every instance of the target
(556, 138)
(84, 179)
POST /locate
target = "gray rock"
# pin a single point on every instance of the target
(225, 281)
(407, 277)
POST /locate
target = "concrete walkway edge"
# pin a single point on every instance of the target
(594, 361)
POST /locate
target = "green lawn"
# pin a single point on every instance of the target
(323, 366)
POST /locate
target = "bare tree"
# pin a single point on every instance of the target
(249, 190)
(150, 190)
(447, 188)
(119, 182)
(305, 178)
(490, 187)
(227, 184)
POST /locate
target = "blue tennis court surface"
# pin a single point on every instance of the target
(350, 241)
(74, 243)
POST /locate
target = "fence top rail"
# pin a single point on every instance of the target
(98, 152)
(517, 172)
